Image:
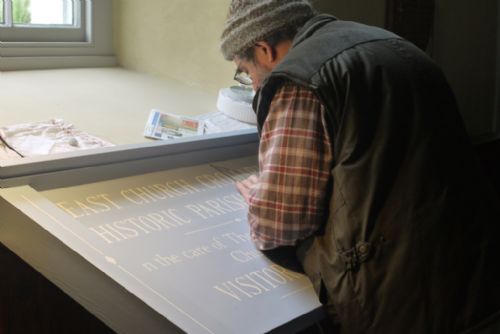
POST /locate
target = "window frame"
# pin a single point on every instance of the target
(92, 48)
(75, 32)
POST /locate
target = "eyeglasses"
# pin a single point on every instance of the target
(242, 77)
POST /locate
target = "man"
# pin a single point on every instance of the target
(365, 172)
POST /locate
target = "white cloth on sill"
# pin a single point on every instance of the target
(46, 137)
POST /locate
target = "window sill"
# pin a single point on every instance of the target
(110, 102)
(53, 62)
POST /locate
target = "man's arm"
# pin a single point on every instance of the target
(288, 199)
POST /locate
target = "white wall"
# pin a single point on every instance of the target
(175, 38)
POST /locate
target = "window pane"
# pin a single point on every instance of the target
(2, 20)
(49, 12)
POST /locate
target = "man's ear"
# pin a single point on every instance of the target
(265, 54)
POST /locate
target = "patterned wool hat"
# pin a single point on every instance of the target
(249, 21)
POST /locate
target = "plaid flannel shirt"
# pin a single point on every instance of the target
(289, 201)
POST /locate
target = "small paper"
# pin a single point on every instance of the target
(162, 125)
(219, 122)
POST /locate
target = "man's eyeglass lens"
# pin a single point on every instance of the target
(243, 78)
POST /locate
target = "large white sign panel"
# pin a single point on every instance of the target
(179, 241)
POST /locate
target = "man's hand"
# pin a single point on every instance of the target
(246, 185)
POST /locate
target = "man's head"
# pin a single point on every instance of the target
(258, 33)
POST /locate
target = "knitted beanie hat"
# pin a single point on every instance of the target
(249, 21)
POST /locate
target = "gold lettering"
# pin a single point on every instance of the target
(69, 209)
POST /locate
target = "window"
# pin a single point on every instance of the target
(55, 34)
(43, 21)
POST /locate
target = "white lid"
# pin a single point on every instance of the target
(236, 102)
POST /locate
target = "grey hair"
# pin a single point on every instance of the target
(285, 34)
